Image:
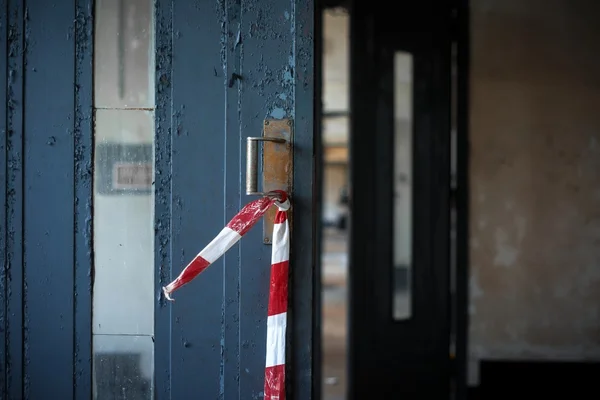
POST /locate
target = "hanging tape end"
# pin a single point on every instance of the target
(167, 295)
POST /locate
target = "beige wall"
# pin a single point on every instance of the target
(535, 179)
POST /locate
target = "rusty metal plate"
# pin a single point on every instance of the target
(277, 166)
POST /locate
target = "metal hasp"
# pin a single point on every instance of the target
(277, 165)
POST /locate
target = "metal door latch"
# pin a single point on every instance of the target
(252, 162)
(277, 164)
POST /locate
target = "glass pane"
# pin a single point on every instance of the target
(402, 185)
(123, 303)
(123, 368)
(335, 130)
(124, 54)
(123, 223)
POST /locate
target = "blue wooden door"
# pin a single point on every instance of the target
(124, 124)
(222, 68)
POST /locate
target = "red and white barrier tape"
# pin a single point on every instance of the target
(277, 315)
(278, 292)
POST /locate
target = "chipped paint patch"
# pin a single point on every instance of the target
(506, 253)
(278, 113)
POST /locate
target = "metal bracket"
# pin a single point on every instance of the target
(277, 165)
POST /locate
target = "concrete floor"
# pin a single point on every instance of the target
(334, 312)
(334, 267)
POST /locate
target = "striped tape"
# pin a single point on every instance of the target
(277, 314)
(278, 290)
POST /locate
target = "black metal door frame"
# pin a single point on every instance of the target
(408, 358)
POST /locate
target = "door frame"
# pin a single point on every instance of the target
(426, 34)
(462, 34)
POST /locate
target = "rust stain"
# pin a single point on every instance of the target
(277, 166)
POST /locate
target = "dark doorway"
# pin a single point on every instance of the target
(400, 161)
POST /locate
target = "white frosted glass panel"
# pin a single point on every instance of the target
(403, 176)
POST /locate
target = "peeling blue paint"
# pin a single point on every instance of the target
(278, 113)
(163, 194)
(13, 262)
(201, 125)
(83, 157)
(3, 205)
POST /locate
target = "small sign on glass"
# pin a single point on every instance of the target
(132, 176)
